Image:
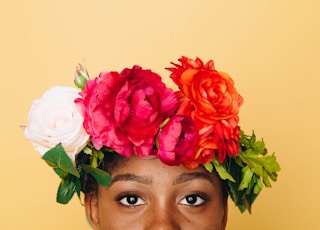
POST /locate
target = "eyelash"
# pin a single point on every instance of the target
(123, 199)
(204, 198)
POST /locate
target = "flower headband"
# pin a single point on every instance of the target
(134, 112)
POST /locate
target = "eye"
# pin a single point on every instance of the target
(131, 200)
(194, 200)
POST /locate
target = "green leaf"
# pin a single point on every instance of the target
(208, 166)
(66, 190)
(222, 171)
(266, 180)
(78, 187)
(273, 176)
(246, 178)
(252, 139)
(96, 158)
(87, 150)
(100, 156)
(270, 164)
(58, 158)
(252, 169)
(101, 176)
(258, 186)
(59, 172)
(260, 147)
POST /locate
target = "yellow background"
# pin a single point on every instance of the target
(271, 48)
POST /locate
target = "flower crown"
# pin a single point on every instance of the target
(134, 112)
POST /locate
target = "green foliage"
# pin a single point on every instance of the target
(67, 187)
(249, 171)
(101, 176)
(87, 161)
(245, 174)
(58, 158)
(221, 169)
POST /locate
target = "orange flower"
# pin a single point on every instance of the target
(226, 137)
(219, 140)
(212, 93)
(211, 99)
(207, 150)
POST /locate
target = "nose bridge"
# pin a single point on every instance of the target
(163, 216)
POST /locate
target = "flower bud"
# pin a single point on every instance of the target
(81, 76)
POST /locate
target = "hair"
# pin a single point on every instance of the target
(112, 160)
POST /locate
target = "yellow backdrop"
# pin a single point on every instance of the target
(270, 47)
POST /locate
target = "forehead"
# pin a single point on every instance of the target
(147, 171)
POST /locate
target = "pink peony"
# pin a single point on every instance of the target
(178, 140)
(124, 110)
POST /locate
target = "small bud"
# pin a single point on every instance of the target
(81, 76)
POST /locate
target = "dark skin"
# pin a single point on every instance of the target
(146, 194)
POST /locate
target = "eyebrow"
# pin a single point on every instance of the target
(182, 178)
(185, 177)
(131, 177)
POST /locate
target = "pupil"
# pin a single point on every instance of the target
(132, 199)
(191, 199)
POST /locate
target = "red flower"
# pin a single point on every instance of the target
(178, 140)
(221, 140)
(226, 136)
(211, 99)
(212, 93)
(124, 111)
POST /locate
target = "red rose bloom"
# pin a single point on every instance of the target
(178, 140)
(124, 111)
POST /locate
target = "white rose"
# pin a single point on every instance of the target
(54, 119)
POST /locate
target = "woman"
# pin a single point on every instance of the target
(147, 194)
(148, 157)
